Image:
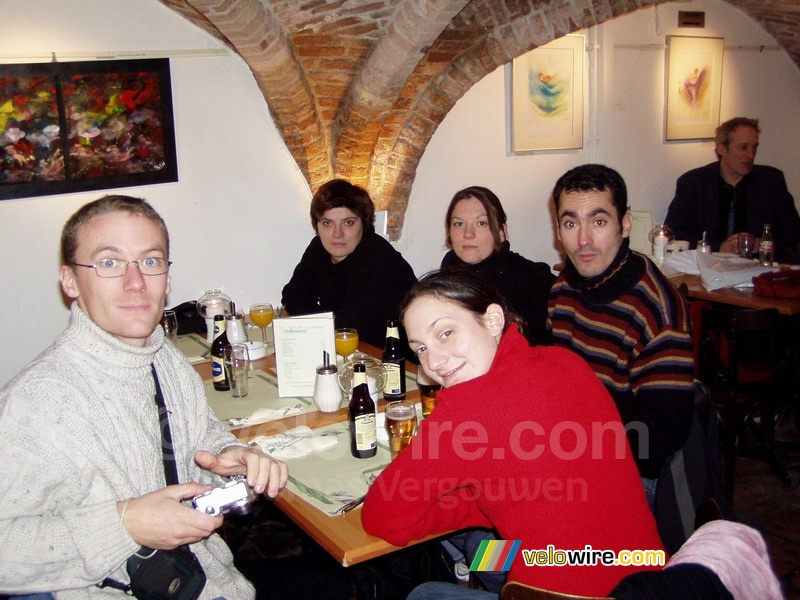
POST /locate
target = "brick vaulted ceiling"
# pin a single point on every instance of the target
(358, 87)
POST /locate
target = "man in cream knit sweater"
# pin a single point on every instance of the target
(82, 475)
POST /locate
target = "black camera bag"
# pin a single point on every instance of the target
(166, 575)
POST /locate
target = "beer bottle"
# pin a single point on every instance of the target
(361, 413)
(766, 247)
(394, 363)
(220, 377)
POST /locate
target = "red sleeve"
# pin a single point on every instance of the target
(425, 490)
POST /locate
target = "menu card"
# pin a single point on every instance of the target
(299, 342)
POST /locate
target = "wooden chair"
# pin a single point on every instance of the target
(740, 363)
(519, 591)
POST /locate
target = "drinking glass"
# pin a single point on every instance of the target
(236, 359)
(747, 245)
(401, 425)
(427, 391)
(346, 342)
(170, 324)
(261, 315)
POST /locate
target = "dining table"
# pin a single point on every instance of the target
(341, 534)
(735, 296)
(744, 297)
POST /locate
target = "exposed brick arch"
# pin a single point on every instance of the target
(253, 30)
(381, 78)
(358, 87)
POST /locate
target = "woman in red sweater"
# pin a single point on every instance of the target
(525, 440)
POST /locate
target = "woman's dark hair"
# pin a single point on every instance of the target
(597, 178)
(491, 204)
(340, 193)
(463, 287)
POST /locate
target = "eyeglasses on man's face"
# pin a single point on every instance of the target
(116, 267)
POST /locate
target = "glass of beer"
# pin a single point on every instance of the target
(401, 425)
(427, 391)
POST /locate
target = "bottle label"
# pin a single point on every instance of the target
(217, 370)
(365, 430)
(393, 382)
(217, 366)
(392, 332)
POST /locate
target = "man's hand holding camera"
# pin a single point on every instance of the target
(161, 520)
(264, 474)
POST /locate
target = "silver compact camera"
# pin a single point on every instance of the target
(235, 496)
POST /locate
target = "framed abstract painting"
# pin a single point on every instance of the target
(693, 87)
(547, 96)
(81, 126)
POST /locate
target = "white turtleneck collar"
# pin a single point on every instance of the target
(107, 349)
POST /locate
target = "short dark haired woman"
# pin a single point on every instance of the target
(348, 268)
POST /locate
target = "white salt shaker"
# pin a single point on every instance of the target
(234, 328)
(327, 395)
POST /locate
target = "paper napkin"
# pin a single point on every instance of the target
(266, 414)
(294, 443)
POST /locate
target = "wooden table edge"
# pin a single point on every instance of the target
(307, 517)
(730, 295)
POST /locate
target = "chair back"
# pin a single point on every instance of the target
(737, 347)
(740, 362)
(514, 590)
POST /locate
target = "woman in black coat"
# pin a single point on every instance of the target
(477, 237)
(348, 268)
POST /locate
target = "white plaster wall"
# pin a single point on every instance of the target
(238, 215)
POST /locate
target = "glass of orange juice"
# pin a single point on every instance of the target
(261, 315)
(346, 341)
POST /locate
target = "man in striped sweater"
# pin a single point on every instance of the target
(615, 308)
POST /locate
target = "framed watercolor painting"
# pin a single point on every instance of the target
(547, 96)
(80, 126)
(694, 83)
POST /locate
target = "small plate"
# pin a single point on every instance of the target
(256, 350)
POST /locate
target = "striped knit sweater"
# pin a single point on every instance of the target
(632, 326)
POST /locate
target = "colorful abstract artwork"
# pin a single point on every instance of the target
(694, 79)
(69, 127)
(547, 96)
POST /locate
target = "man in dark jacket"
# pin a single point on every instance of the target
(734, 195)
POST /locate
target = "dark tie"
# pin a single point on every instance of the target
(732, 215)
